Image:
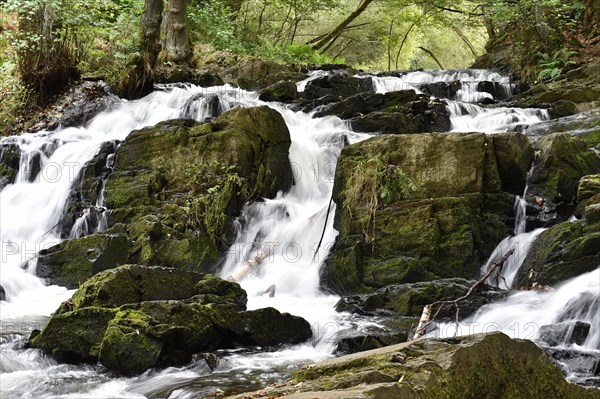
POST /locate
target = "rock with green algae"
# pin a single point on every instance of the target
(478, 366)
(136, 317)
(284, 91)
(448, 212)
(561, 161)
(10, 156)
(72, 262)
(178, 185)
(589, 186)
(563, 251)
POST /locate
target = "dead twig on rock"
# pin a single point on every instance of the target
(427, 319)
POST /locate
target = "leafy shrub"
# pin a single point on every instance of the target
(551, 66)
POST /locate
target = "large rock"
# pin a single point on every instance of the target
(10, 157)
(478, 366)
(562, 161)
(560, 253)
(284, 92)
(336, 84)
(179, 185)
(136, 317)
(408, 300)
(421, 207)
(396, 112)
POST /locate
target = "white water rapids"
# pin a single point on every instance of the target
(290, 225)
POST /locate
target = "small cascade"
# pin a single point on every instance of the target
(466, 117)
(287, 229)
(530, 314)
(94, 219)
(312, 75)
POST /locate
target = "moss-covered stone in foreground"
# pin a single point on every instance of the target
(136, 317)
(479, 366)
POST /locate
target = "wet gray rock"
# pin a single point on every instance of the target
(572, 332)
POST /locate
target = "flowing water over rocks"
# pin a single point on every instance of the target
(293, 233)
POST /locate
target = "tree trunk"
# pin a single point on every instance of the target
(150, 31)
(465, 39)
(340, 28)
(178, 46)
(138, 78)
(433, 57)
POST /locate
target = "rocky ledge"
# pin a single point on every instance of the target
(136, 317)
(478, 366)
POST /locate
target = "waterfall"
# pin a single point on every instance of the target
(51, 162)
(286, 228)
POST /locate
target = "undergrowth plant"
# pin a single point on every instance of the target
(212, 186)
(375, 185)
(551, 66)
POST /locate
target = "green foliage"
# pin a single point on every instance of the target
(292, 54)
(212, 185)
(211, 22)
(557, 13)
(551, 66)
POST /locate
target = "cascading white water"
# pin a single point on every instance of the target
(465, 116)
(523, 313)
(289, 227)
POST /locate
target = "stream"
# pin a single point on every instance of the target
(290, 226)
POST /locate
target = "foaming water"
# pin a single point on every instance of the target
(520, 244)
(466, 117)
(523, 313)
(293, 221)
(288, 229)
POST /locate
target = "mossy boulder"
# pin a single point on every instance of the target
(131, 284)
(75, 336)
(563, 251)
(72, 262)
(589, 186)
(137, 317)
(179, 185)
(476, 366)
(422, 207)
(254, 73)
(561, 162)
(178, 73)
(284, 92)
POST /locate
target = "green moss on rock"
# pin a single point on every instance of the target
(445, 227)
(179, 184)
(560, 253)
(72, 262)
